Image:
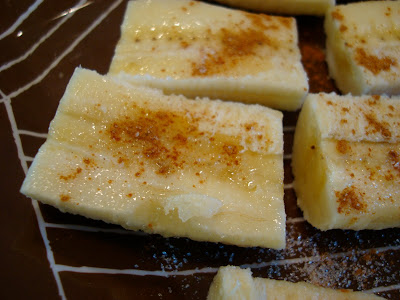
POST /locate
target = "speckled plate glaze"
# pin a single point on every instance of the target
(50, 255)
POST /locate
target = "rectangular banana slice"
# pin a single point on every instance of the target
(130, 155)
(363, 47)
(232, 283)
(289, 7)
(201, 50)
(346, 161)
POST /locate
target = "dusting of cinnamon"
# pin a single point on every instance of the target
(121, 160)
(343, 146)
(89, 162)
(231, 149)
(350, 200)
(139, 173)
(373, 100)
(337, 15)
(394, 158)
(184, 45)
(343, 28)
(389, 176)
(249, 126)
(287, 22)
(72, 175)
(180, 139)
(162, 138)
(65, 198)
(239, 42)
(376, 97)
(378, 126)
(374, 63)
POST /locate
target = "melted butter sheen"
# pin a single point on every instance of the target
(166, 142)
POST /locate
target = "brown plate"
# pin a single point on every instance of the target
(46, 254)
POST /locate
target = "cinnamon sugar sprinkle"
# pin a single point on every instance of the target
(350, 200)
(374, 63)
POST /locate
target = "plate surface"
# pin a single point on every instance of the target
(47, 254)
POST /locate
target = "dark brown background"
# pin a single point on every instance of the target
(362, 260)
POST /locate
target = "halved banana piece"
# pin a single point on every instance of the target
(233, 283)
(202, 50)
(363, 47)
(130, 155)
(346, 161)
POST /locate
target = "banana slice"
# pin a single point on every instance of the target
(130, 155)
(290, 7)
(232, 283)
(346, 161)
(363, 47)
(198, 49)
